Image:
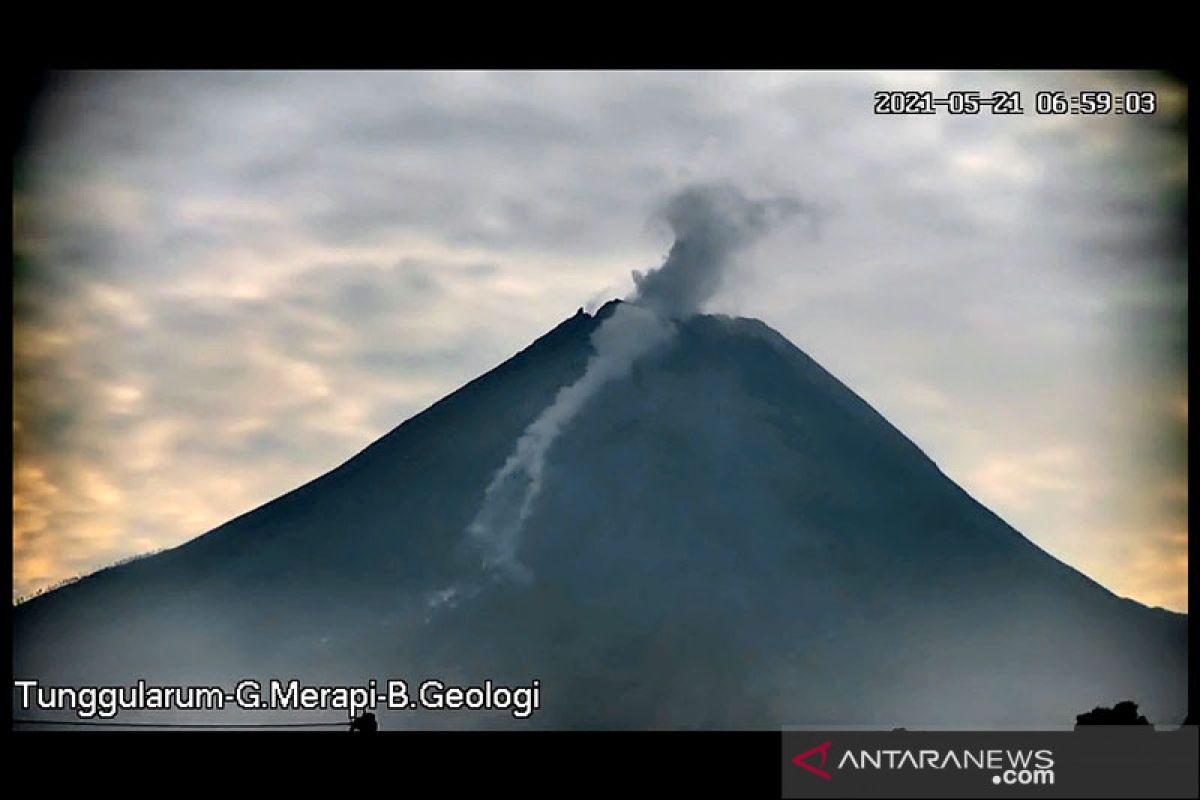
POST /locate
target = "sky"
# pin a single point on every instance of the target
(227, 284)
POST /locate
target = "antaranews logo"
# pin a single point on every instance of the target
(801, 760)
(1022, 767)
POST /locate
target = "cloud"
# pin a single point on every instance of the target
(1015, 481)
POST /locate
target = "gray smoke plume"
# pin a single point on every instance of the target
(710, 223)
(629, 333)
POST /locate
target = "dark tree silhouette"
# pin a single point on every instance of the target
(364, 724)
(1123, 713)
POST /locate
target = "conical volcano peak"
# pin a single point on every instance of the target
(679, 523)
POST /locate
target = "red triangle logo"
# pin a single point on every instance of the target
(800, 760)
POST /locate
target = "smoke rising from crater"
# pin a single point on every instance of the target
(710, 223)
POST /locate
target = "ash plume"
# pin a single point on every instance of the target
(710, 224)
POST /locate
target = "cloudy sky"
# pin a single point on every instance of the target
(227, 284)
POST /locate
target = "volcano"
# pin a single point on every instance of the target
(725, 537)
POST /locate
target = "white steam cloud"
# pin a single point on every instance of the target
(710, 223)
